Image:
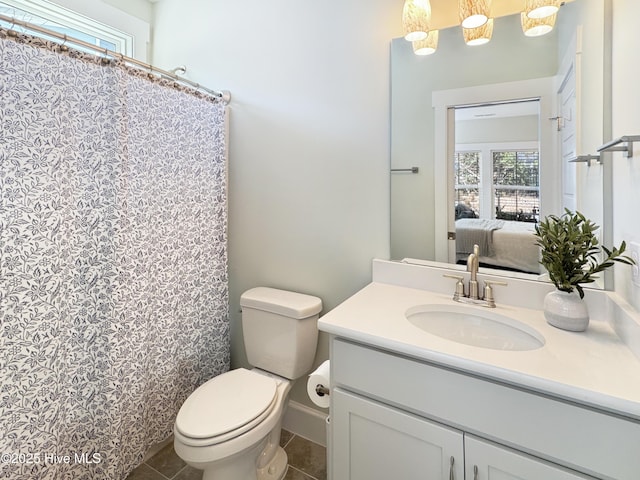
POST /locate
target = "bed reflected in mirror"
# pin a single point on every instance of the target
(496, 176)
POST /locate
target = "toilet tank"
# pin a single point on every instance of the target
(280, 330)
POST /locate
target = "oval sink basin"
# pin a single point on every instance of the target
(470, 326)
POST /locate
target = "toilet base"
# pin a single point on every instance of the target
(246, 465)
(276, 469)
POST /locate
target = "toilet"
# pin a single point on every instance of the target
(230, 426)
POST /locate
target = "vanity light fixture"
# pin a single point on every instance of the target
(538, 18)
(473, 13)
(428, 45)
(542, 8)
(416, 19)
(479, 35)
(536, 27)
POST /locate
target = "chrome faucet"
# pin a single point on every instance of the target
(473, 262)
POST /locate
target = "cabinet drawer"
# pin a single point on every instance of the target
(580, 438)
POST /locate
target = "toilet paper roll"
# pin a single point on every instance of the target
(320, 376)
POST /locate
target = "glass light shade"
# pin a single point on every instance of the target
(536, 27)
(479, 35)
(416, 19)
(473, 13)
(541, 8)
(428, 45)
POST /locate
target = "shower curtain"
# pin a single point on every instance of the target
(113, 264)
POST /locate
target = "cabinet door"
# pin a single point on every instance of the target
(372, 441)
(487, 461)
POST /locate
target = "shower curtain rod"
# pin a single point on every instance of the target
(224, 95)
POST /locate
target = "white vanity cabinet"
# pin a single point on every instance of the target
(374, 441)
(397, 417)
(487, 461)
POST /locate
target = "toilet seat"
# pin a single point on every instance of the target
(225, 407)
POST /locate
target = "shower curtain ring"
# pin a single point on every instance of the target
(63, 47)
(106, 60)
(11, 32)
(150, 74)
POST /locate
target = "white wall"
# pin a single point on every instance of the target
(309, 148)
(522, 128)
(626, 121)
(141, 9)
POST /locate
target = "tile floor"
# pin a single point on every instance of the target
(307, 461)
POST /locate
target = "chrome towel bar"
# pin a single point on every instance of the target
(586, 159)
(412, 169)
(612, 146)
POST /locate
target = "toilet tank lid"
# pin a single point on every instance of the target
(281, 302)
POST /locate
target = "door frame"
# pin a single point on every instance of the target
(443, 102)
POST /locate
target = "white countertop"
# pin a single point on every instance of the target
(593, 368)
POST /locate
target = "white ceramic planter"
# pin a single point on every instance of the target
(566, 311)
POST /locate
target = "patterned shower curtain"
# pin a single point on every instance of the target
(113, 264)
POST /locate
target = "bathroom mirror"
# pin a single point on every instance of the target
(562, 71)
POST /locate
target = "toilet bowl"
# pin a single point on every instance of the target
(230, 426)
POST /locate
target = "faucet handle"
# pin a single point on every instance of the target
(488, 291)
(459, 285)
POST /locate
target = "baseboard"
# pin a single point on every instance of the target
(306, 422)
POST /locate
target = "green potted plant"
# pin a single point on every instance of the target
(572, 256)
